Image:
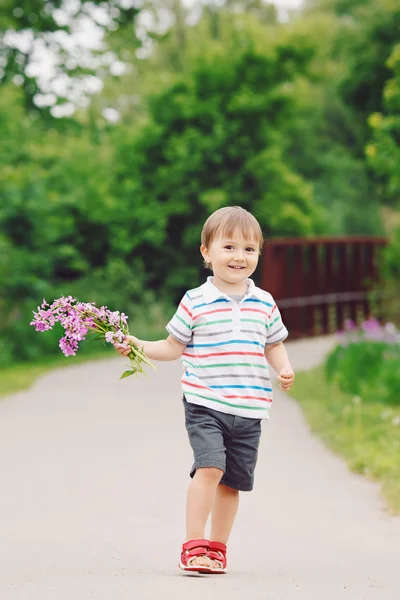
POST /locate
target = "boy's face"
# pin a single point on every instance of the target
(233, 259)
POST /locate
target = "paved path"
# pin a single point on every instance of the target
(93, 491)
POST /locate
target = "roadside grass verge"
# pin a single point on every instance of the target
(366, 434)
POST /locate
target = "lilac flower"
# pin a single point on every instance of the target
(120, 336)
(115, 336)
(68, 347)
(40, 325)
(80, 318)
(349, 325)
(370, 330)
(110, 337)
(114, 318)
(371, 324)
(44, 320)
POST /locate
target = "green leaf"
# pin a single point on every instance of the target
(127, 374)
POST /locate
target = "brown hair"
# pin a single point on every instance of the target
(225, 220)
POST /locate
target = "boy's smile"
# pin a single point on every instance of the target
(233, 259)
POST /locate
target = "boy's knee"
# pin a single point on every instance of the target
(209, 474)
(228, 491)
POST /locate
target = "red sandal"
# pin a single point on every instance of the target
(217, 553)
(191, 550)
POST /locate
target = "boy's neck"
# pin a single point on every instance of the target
(237, 289)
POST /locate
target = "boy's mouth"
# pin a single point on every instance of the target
(235, 267)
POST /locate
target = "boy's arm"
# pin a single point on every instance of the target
(169, 349)
(277, 357)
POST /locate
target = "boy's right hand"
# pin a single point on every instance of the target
(123, 348)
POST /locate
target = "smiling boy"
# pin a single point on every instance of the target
(227, 332)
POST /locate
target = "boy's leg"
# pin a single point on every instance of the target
(200, 500)
(223, 514)
(241, 457)
(206, 438)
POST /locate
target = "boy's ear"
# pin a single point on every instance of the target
(205, 254)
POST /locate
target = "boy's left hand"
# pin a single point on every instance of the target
(286, 379)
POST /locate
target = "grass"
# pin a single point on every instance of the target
(366, 434)
(21, 376)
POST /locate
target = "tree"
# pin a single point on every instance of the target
(383, 151)
(368, 33)
(174, 36)
(383, 154)
(39, 26)
(217, 138)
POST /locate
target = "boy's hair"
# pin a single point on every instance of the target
(225, 221)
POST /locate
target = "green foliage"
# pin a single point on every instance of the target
(383, 154)
(217, 138)
(391, 259)
(362, 37)
(384, 150)
(63, 232)
(41, 22)
(346, 363)
(366, 38)
(367, 369)
(322, 154)
(387, 300)
(235, 109)
(372, 43)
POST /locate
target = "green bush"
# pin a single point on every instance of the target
(388, 295)
(367, 363)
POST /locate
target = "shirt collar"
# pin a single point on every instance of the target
(212, 293)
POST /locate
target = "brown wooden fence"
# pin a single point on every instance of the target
(319, 282)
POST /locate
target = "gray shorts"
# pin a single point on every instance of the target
(226, 442)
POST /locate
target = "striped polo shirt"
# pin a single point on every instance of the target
(224, 365)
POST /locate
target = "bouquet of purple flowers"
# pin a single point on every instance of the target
(79, 318)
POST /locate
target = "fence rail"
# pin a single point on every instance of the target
(319, 282)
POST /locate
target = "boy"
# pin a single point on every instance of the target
(226, 331)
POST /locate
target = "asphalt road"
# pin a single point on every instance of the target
(94, 473)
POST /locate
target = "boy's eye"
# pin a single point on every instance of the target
(248, 249)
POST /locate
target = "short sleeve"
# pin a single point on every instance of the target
(180, 326)
(277, 331)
